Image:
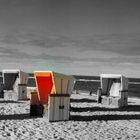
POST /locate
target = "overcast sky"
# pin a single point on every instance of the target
(85, 37)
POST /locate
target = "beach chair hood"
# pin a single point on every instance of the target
(49, 82)
(108, 84)
(13, 77)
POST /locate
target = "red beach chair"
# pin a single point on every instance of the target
(51, 83)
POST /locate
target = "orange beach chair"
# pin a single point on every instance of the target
(50, 83)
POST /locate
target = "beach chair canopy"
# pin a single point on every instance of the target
(49, 82)
(13, 77)
(111, 84)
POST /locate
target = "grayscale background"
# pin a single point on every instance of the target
(85, 37)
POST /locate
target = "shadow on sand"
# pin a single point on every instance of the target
(10, 101)
(104, 117)
(127, 108)
(16, 117)
(83, 100)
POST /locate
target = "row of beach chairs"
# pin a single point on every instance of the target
(53, 90)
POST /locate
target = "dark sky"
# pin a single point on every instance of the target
(71, 17)
(72, 36)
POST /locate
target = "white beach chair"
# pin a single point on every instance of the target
(15, 84)
(113, 91)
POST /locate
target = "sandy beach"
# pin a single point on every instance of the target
(89, 120)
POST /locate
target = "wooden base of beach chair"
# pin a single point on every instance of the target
(116, 102)
(59, 106)
(112, 102)
(106, 100)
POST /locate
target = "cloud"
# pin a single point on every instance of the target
(125, 44)
(36, 39)
(107, 53)
(13, 53)
(104, 45)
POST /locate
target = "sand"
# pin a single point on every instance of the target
(89, 121)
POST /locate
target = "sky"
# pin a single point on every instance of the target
(84, 37)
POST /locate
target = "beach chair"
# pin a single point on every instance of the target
(113, 91)
(53, 93)
(15, 84)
